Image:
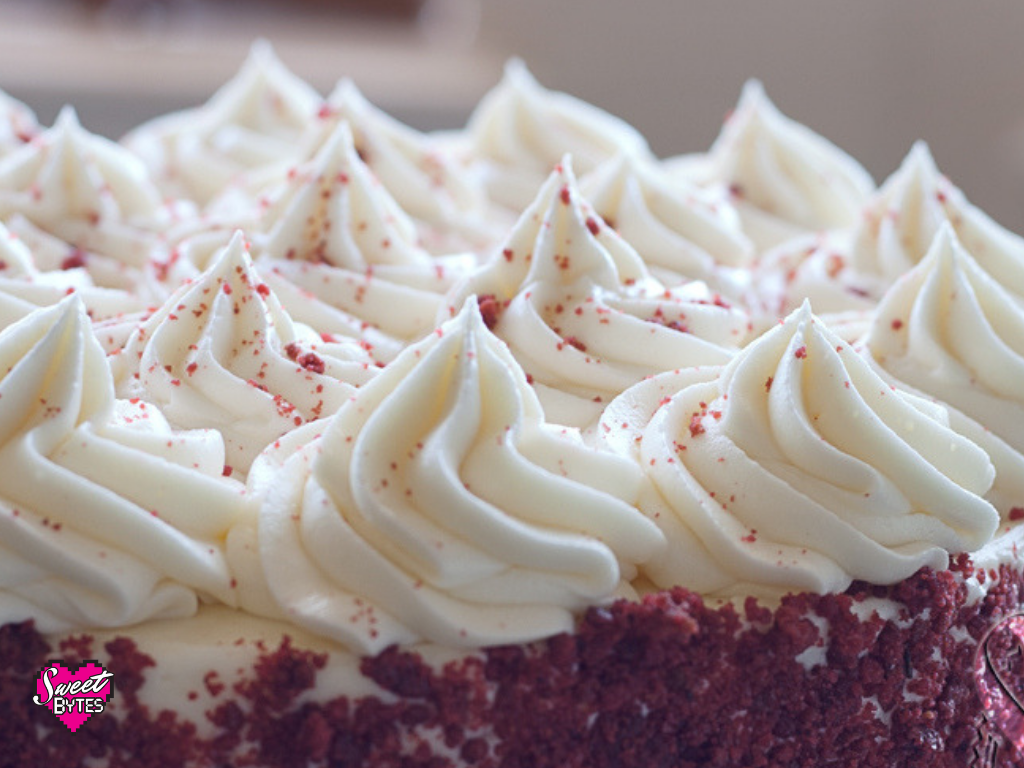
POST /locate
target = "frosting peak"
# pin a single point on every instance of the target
(106, 516)
(784, 178)
(582, 314)
(522, 130)
(222, 353)
(950, 329)
(255, 120)
(796, 467)
(438, 505)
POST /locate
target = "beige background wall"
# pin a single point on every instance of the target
(871, 75)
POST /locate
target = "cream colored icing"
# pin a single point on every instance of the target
(520, 130)
(950, 330)
(422, 175)
(18, 123)
(107, 517)
(795, 467)
(89, 193)
(255, 120)
(682, 232)
(438, 505)
(582, 314)
(221, 353)
(783, 178)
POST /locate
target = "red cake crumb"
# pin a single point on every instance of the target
(74, 260)
(666, 681)
(490, 309)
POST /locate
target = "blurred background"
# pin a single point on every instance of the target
(872, 76)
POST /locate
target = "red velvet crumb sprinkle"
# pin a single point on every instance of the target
(666, 681)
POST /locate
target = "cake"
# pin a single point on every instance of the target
(327, 442)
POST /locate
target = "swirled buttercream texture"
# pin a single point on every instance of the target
(582, 314)
(221, 353)
(797, 468)
(107, 517)
(951, 331)
(438, 505)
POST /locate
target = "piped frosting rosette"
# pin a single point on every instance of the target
(848, 272)
(902, 220)
(222, 353)
(682, 232)
(797, 468)
(520, 130)
(950, 330)
(79, 200)
(581, 313)
(107, 517)
(783, 178)
(23, 287)
(438, 506)
(344, 258)
(254, 121)
(424, 177)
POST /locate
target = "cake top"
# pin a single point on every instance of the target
(432, 387)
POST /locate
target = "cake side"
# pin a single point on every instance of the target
(875, 676)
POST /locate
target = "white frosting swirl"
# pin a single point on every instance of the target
(23, 287)
(901, 221)
(951, 330)
(106, 517)
(682, 232)
(796, 467)
(18, 124)
(813, 267)
(254, 120)
(521, 130)
(73, 195)
(581, 313)
(783, 178)
(447, 202)
(850, 271)
(222, 353)
(438, 505)
(344, 258)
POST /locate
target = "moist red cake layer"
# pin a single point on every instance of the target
(668, 681)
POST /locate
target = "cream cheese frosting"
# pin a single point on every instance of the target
(426, 441)
(425, 178)
(255, 120)
(849, 270)
(438, 505)
(902, 220)
(581, 313)
(222, 353)
(784, 178)
(343, 256)
(107, 517)
(520, 130)
(951, 330)
(796, 467)
(682, 232)
(79, 195)
(23, 284)
(18, 123)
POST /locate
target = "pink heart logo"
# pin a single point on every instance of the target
(76, 696)
(999, 677)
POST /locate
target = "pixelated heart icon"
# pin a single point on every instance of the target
(999, 678)
(76, 696)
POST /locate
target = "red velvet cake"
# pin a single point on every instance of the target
(335, 444)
